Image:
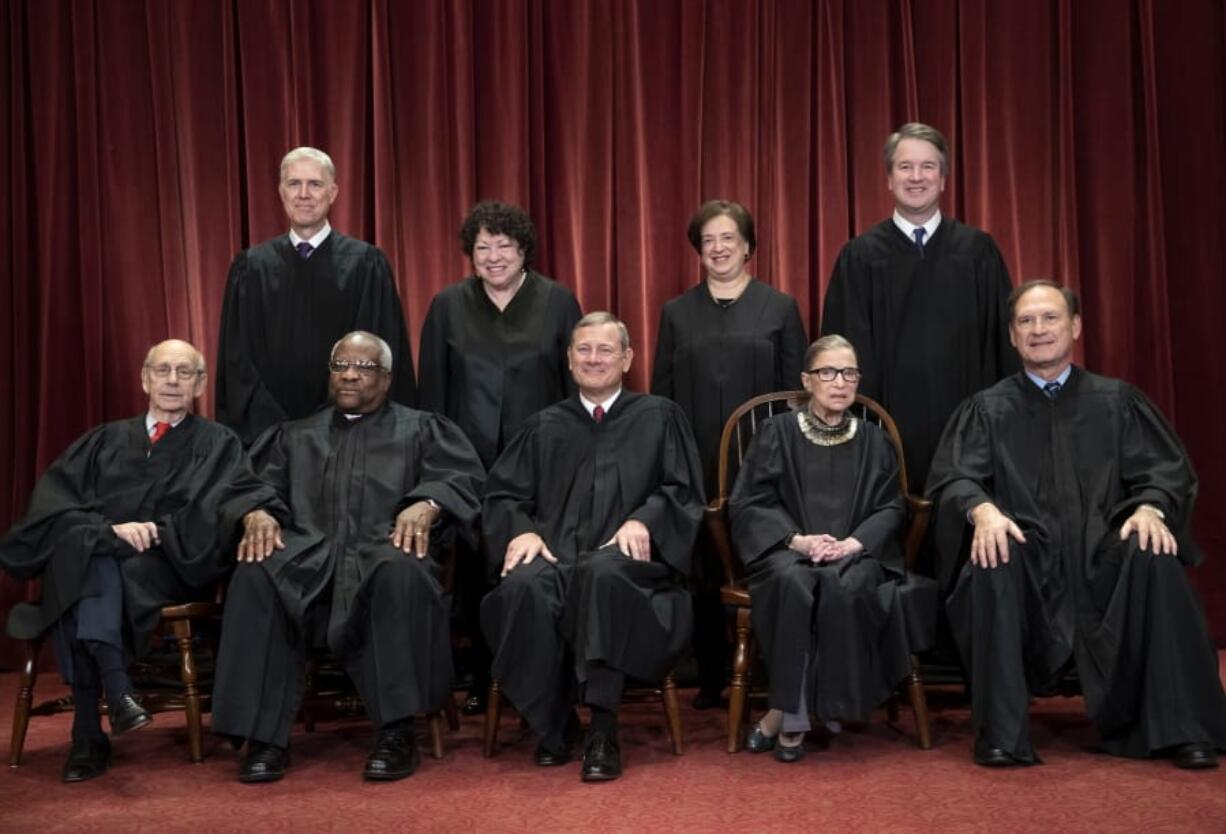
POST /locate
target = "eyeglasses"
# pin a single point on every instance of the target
(184, 372)
(828, 374)
(366, 369)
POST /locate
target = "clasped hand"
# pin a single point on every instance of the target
(141, 535)
(823, 547)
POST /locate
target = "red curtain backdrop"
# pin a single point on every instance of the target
(142, 141)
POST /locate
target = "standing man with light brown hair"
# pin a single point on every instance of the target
(288, 299)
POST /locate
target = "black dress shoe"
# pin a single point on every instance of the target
(474, 704)
(264, 763)
(395, 756)
(602, 760)
(1195, 756)
(788, 755)
(87, 758)
(126, 714)
(989, 756)
(546, 757)
(707, 699)
(758, 741)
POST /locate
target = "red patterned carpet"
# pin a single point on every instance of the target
(873, 779)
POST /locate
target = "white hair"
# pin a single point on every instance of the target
(312, 154)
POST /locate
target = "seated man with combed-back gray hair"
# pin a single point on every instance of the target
(120, 525)
(342, 520)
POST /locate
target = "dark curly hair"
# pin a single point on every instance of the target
(499, 219)
(711, 209)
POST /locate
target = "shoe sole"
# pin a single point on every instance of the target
(259, 778)
(143, 721)
(70, 781)
(381, 776)
(600, 777)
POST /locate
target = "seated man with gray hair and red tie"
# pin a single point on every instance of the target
(122, 524)
(590, 515)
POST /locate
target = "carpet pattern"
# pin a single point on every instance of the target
(872, 778)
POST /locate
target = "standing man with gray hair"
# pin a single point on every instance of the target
(288, 299)
(922, 297)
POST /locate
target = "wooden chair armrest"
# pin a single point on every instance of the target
(919, 510)
(716, 517)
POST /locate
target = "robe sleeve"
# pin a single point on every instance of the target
(662, 365)
(673, 510)
(998, 352)
(263, 483)
(509, 508)
(383, 316)
(960, 479)
(243, 401)
(62, 501)
(793, 346)
(571, 314)
(433, 360)
(847, 312)
(758, 518)
(882, 500)
(1155, 469)
(449, 472)
(190, 535)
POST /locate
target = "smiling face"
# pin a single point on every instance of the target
(361, 387)
(307, 192)
(1044, 332)
(173, 377)
(724, 251)
(597, 360)
(831, 399)
(915, 180)
(497, 259)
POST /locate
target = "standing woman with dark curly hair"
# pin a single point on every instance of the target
(493, 349)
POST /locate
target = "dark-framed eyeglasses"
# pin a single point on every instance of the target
(827, 374)
(367, 369)
(184, 372)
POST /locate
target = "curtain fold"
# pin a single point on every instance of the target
(142, 140)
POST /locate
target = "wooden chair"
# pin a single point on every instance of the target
(192, 697)
(666, 692)
(739, 430)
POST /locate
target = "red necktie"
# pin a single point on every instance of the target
(159, 431)
(598, 414)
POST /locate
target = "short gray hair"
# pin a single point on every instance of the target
(916, 130)
(831, 341)
(312, 154)
(599, 317)
(385, 352)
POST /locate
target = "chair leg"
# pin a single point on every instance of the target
(449, 710)
(493, 713)
(672, 714)
(436, 733)
(25, 698)
(739, 686)
(919, 704)
(191, 692)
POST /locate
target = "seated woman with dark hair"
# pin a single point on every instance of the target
(816, 514)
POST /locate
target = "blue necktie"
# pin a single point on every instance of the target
(919, 239)
(1052, 390)
(305, 249)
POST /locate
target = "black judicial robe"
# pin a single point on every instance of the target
(929, 330)
(574, 481)
(710, 358)
(336, 485)
(1069, 472)
(113, 475)
(489, 369)
(857, 652)
(281, 316)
